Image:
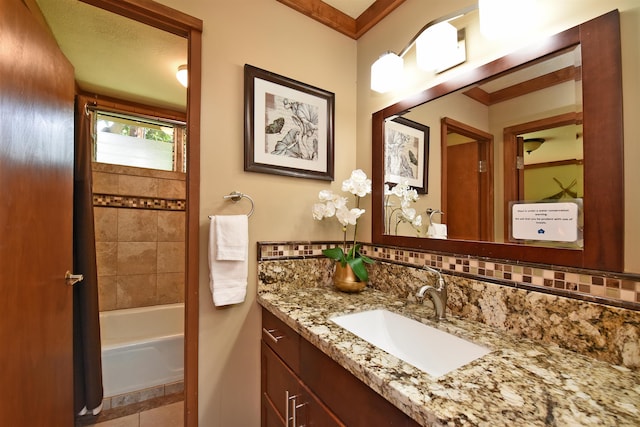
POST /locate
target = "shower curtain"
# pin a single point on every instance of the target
(87, 361)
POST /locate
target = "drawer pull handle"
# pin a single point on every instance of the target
(290, 400)
(270, 332)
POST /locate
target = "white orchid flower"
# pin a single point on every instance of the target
(349, 216)
(411, 195)
(340, 202)
(357, 184)
(326, 195)
(408, 213)
(319, 211)
(399, 189)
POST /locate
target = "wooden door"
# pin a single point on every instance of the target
(36, 201)
(463, 192)
(467, 181)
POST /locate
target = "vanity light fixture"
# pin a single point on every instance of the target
(183, 75)
(437, 49)
(386, 72)
(437, 46)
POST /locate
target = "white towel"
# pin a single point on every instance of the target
(231, 237)
(437, 231)
(228, 277)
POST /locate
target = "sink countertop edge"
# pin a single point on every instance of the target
(519, 380)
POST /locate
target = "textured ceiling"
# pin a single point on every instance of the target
(122, 58)
(116, 56)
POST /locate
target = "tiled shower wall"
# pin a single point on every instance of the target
(140, 236)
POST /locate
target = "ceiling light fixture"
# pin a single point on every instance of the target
(183, 75)
(532, 144)
(437, 49)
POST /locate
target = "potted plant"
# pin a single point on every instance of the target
(351, 274)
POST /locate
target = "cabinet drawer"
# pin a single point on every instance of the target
(283, 340)
(350, 399)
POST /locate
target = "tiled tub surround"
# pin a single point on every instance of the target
(140, 224)
(521, 382)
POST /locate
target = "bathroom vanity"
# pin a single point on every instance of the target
(343, 379)
(306, 387)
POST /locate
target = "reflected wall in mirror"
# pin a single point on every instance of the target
(546, 122)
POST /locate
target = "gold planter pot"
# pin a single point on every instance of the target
(345, 280)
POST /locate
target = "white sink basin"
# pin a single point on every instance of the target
(429, 349)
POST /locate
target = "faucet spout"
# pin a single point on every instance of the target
(437, 293)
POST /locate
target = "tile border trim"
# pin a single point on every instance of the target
(138, 202)
(602, 287)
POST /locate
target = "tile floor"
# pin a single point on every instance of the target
(166, 411)
(171, 415)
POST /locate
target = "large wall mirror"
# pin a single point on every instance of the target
(540, 127)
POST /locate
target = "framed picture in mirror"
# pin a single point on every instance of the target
(406, 153)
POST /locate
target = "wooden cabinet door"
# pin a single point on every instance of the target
(311, 411)
(279, 387)
(36, 176)
(286, 401)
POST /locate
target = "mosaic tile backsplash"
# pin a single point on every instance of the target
(616, 289)
(606, 332)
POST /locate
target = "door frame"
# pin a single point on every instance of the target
(485, 147)
(181, 24)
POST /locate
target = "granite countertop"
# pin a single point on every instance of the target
(519, 383)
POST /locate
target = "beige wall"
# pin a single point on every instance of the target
(398, 28)
(268, 35)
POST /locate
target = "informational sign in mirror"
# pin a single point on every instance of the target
(547, 221)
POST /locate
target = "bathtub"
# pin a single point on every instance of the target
(142, 347)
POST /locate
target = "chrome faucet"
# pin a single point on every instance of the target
(437, 293)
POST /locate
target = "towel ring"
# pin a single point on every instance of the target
(235, 197)
(432, 211)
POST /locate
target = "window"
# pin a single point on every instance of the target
(129, 140)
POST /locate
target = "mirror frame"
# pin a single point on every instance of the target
(600, 44)
(181, 24)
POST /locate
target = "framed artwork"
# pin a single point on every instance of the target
(289, 126)
(406, 153)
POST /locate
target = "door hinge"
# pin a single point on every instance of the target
(482, 166)
(519, 162)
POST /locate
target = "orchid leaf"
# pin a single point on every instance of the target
(335, 253)
(366, 259)
(357, 265)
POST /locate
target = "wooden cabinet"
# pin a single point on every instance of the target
(286, 401)
(301, 386)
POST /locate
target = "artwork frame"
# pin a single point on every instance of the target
(400, 135)
(297, 143)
